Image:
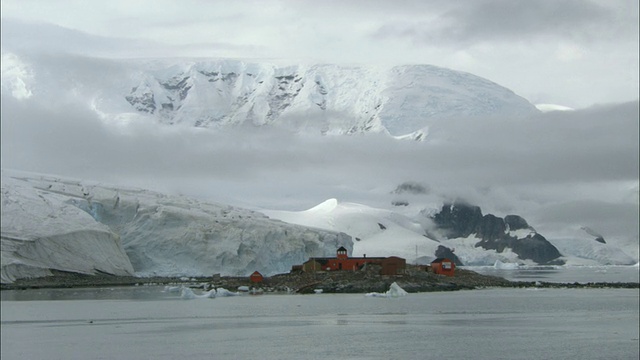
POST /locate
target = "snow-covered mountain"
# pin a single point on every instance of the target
(61, 224)
(329, 98)
(383, 232)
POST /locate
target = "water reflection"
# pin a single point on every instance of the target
(127, 293)
(562, 274)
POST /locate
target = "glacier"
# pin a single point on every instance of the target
(42, 232)
(51, 223)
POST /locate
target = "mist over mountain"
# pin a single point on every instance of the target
(324, 98)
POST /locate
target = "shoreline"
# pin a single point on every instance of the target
(412, 281)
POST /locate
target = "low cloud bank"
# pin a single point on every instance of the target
(547, 166)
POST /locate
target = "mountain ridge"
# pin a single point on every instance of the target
(327, 98)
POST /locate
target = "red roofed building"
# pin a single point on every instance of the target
(256, 277)
(443, 266)
(390, 265)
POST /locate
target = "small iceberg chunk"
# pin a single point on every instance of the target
(506, 266)
(394, 291)
(188, 294)
(221, 292)
(172, 289)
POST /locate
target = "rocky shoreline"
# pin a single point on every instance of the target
(366, 281)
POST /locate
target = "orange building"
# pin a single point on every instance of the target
(390, 265)
(443, 266)
(256, 277)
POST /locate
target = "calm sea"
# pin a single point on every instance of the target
(564, 274)
(147, 323)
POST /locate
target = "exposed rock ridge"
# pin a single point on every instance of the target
(460, 220)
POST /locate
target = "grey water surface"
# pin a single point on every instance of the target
(148, 323)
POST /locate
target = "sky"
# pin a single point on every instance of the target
(575, 53)
(578, 168)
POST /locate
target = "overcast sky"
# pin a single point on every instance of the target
(580, 168)
(575, 53)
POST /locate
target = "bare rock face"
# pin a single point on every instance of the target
(458, 220)
(495, 233)
(515, 222)
(445, 252)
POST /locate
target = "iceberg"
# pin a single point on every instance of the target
(222, 292)
(505, 266)
(188, 294)
(394, 291)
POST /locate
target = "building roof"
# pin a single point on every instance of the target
(320, 259)
(341, 248)
(439, 260)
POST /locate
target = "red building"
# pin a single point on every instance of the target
(256, 277)
(443, 266)
(390, 265)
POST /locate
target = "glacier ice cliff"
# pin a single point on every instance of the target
(52, 223)
(41, 231)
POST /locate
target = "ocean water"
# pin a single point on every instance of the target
(564, 274)
(147, 323)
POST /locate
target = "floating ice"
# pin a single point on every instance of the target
(220, 292)
(394, 291)
(172, 289)
(188, 294)
(506, 266)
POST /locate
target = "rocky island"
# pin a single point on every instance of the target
(414, 279)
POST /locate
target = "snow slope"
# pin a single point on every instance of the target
(377, 232)
(381, 232)
(69, 225)
(329, 98)
(552, 107)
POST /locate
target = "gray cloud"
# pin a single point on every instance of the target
(471, 22)
(272, 167)
(574, 53)
(48, 38)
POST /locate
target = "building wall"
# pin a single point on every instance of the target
(445, 267)
(393, 265)
(390, 266)
(256, 277)
(312, 265)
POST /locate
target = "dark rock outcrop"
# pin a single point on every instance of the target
(458, 220)
(445, 252)
(515, 222)
(411, 188)
(461, 220)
